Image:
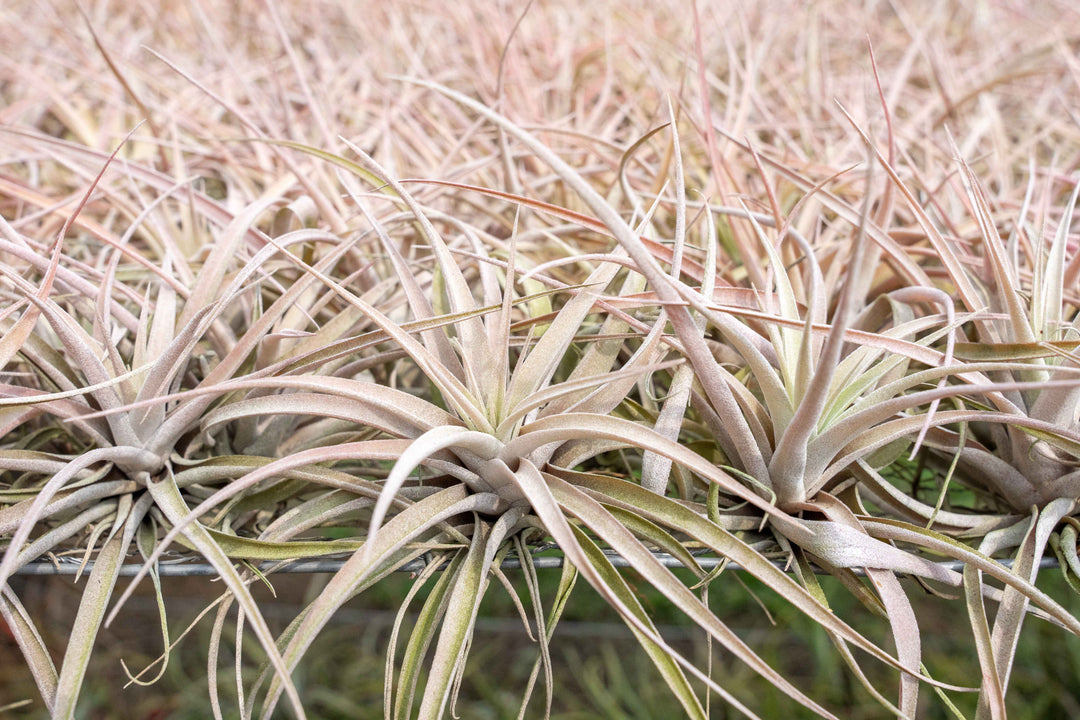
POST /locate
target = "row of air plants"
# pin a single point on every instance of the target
(251, 346)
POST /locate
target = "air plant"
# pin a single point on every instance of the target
(261, 351)
(831, 396)
(150, 322)
(497, 441)
(1019, 447)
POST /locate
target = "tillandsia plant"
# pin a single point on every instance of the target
(1018, 448)
(819, 401)
(131, 316)
(317, 382)
(260, 350)
(496, 407)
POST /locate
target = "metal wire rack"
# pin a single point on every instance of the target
(187, 567)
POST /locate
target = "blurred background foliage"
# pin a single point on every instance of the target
(599, 668)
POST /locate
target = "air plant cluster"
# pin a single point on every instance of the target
(264, 342)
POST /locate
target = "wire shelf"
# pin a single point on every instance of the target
(181, 567)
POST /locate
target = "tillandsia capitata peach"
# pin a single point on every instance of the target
(498, 439)
(1019, 446)
(819, 428)
(436, 335)
(501, 443)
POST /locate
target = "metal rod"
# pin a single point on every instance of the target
(180, 568)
